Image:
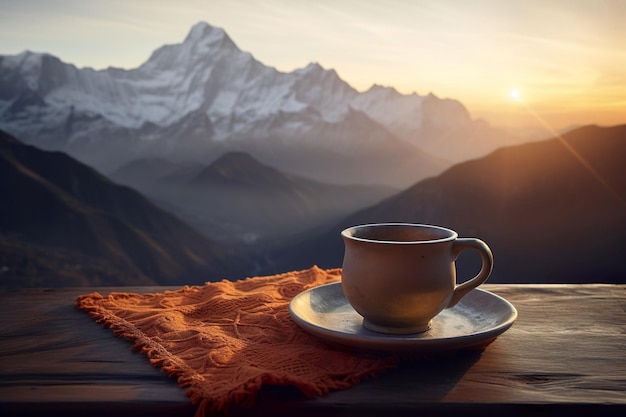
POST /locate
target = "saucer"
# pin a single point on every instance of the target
(475, 321)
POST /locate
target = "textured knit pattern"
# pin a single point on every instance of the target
(225, 340)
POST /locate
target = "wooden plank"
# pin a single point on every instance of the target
(565, 356)
(566, 352)
(566, 349)
(54, 357)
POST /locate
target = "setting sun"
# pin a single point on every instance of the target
(514, 94)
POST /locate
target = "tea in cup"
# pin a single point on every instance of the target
(399, 276)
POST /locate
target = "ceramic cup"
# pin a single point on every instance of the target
(399, 276)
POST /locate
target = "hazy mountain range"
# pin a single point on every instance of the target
(194, 101)
(546, 217)
(238, 199)
(63, 223)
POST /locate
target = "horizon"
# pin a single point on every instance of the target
(554, 65)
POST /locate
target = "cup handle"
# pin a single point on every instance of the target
(460, 245)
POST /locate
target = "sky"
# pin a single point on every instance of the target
(555, 63)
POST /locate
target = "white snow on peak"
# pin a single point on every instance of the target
(312, 67)
(389, 107)
(27, 63)
(207, 73)
(24, 59)
(203, 31)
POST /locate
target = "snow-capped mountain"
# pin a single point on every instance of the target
(200, 98)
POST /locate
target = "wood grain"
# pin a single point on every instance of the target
(566, 355)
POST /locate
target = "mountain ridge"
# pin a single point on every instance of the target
(61, 209)
(545, 216)
(239, 168)
(203, 97)
(243, 200)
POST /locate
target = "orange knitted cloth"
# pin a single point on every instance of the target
(225, 340)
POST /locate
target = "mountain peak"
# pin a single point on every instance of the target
(237, 167)
(383, 90)
(235, 162)
(204, 33)
(313, 66)
(25, 60)
(202, 30)
(203, 45)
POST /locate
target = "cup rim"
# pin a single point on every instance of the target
(452, 235)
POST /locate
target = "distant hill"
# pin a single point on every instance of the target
(546, 217)
(64, 224)
(241, 169)
(144, 171)
(238, 199)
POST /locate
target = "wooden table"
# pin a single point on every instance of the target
(565, 355)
